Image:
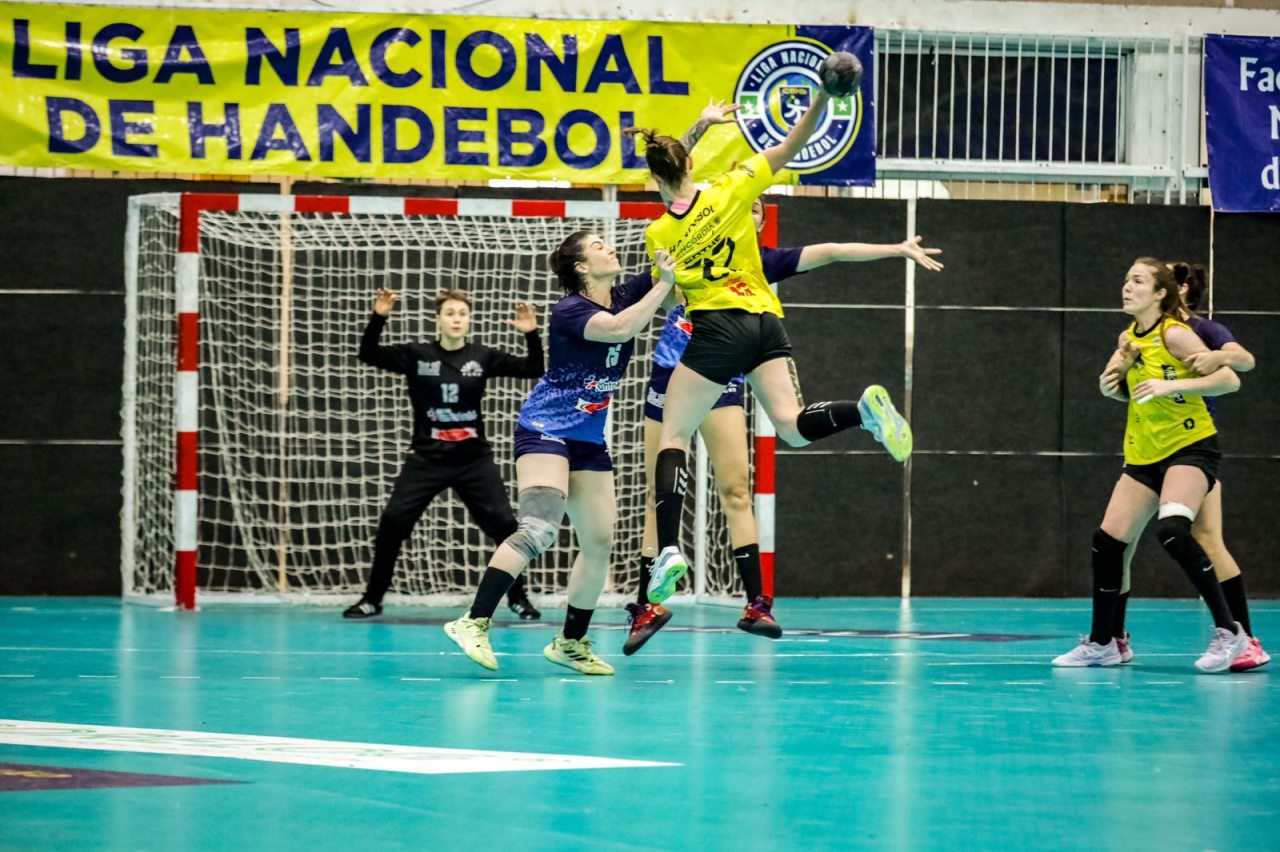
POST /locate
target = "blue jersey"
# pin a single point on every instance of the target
(1215, 335)
(778, 264)
(571, 400)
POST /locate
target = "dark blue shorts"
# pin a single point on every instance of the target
(655, 395)
(582, 455)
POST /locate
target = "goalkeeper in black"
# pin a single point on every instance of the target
(446, 379)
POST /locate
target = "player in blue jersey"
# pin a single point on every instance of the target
(562, 461)
(724, 432)
(1224, 350)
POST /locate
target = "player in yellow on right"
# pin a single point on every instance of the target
(737, 323)
(1170, 463)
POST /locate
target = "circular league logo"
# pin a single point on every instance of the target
(777, 86)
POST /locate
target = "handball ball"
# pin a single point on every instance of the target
(841, 74)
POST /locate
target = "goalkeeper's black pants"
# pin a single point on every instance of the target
(478, 485)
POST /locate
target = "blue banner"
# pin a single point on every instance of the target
(1242, 122)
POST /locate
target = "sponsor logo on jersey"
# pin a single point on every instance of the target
(592, 407)
(472, 368)
(448, 415)
(551, 438)
(657, 400)
(428, 368)
(685, 325)
(603, 385)
(454, 435)
(775, 89)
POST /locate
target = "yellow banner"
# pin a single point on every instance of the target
(360, 95)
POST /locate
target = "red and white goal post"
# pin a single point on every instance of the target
(258, 452)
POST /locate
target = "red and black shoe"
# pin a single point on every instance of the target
(757, 618)
(642, 622)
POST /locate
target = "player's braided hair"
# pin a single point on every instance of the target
(1191, 274)
(567, 255)
(666, 156)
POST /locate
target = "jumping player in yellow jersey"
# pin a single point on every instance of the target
(737, 326)
(1171, 462)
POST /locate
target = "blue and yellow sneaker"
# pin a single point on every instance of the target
(885, 424)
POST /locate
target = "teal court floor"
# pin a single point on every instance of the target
(869, 725)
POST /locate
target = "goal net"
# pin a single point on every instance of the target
(296, 442)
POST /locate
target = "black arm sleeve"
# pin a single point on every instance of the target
(531, 366)
(398, 359)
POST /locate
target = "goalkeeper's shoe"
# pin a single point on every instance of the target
(668, 569)
(885, 424)
(523, 607)
(472, 636)
(757, 618)
(643, 620)
(577, 655)
(363, 608)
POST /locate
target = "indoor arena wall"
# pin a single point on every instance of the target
(1015, 452)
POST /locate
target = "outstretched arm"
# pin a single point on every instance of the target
(716, 112)
(785, 151)
(395, 358)
(821, 254)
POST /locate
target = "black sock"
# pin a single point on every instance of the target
(1175, 536)
(646, 571)
(1117, 620)
(576, 622)
(493, 585)
(1233, 591)
(671, 480)
(822, 419)
(747, 560)
(517, 591)
(1108, 573)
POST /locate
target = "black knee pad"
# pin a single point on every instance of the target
(1174, 533)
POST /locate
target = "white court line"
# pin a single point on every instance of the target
(349, 755)
(951, 683)
(655, 681)
(17, 675)
(1024, 683)
(879, 683)
(808, 683)
(422, 679)
(339, 678)
(260, 677)
(97, 677)
(179, 677)
(1162, 683)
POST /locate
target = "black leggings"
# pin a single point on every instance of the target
(477, 484)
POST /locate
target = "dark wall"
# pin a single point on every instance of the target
(1015, 450)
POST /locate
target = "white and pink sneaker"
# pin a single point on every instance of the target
(1253, 657)
(1224, 649)
(1126, 650)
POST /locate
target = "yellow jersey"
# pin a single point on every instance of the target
(714, 243)
(1159, 428)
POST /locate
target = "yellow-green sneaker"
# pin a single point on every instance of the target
(577, 655)
(472, 636)
(885, 424)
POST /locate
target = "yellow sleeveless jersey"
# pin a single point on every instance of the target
(714, 244)
(1159, 428)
